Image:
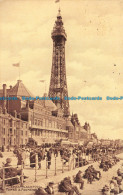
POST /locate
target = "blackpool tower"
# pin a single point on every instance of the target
(58, 83)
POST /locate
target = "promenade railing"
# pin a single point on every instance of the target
(70, 165)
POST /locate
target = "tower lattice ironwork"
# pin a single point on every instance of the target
(58, 83)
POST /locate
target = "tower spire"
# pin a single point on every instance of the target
(59, 11)
(58, 83)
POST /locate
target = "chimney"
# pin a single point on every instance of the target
(4, 95)
(15, 114)
(4, 90)
(27, 104)
(10, 87)
(0, 110)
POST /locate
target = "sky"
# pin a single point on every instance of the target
(94, 53)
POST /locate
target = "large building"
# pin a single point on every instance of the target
(13, 130)
(44, 121)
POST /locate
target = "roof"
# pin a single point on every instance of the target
(49, 103)
(46, 103)
(20, 90)
(69, 124)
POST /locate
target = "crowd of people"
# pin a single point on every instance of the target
(115, 186)
(91, 174)
(107, 162)
(69, 185)
(78, 156)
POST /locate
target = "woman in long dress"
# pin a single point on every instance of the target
(27, 160)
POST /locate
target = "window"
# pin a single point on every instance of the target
(4, 131)
(21, 132)
(17, 125)
(35, 122)
(22, 141)
(14, 132)
(26, 133)
(38, 122)
(25, 141)
(50, 124)
(60, 126)
(47, 123)
(7, 123)
(10, 130)
(10, 122)
(4, 141)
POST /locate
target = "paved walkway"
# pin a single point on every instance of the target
(89, 189)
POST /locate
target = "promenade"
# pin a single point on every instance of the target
(89, 189)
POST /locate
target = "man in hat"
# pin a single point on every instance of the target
(19, 157)
(23, 154)
(32, 158)
(3, 149)
(39, 157)
(106, 190)
(41, 190)
(11, 172)
(115, 188)
(78, 179)
(49, 154)
(121, 186)
(66, 186)
(49, 188)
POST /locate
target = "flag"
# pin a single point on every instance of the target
(16, 65)
(56, 1)
(42, 81)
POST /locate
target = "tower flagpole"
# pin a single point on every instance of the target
(44, 81)
(45, 86)
(19, 72)
(18, 66)
(58, 1)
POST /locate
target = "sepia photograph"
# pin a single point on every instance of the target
(61, 97)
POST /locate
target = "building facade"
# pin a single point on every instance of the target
(13, 131)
